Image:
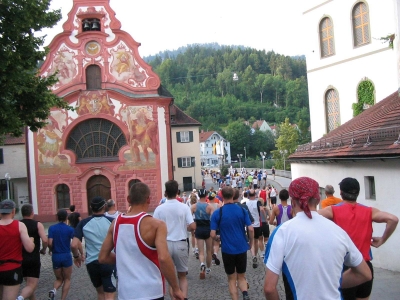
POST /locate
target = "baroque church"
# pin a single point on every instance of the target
(119, 132)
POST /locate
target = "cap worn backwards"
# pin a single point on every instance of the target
(202, 193)
(97, 203)
(6, 206)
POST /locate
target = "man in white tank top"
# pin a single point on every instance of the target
(138, 259)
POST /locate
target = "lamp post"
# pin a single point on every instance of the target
(263, 155)
(8, 178)
(245, 159)
(194, 171)
(240, 160)
(283, 153)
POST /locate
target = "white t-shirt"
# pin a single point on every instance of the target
(311, 253)
(273, 192)
(177, 216)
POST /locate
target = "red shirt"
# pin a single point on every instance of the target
(10, 245)
(356, 220)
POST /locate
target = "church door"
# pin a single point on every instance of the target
(98, 185)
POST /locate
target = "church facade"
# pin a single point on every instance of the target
(118, 132)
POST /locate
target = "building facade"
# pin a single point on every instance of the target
(215, 151)
(119, 131)
(185, 145)
(346, 46)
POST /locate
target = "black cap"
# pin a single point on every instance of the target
(350, 185)
(202, 193)
(97, 203)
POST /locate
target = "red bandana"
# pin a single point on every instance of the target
(303, 189)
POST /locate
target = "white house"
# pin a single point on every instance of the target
(13, 163)
(345, 48)
(214, 149)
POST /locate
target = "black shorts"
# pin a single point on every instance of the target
(202, 233)
(265, 230)
(11, 277)
(31, 268)
(360, 291)
(101, 275)
(273, 200)
(234, 263)
(257, 232)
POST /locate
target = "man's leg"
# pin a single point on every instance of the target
(209, 248)
(232, 286)
(100, 293)
(200, 245)
(10, 291)
(242, 282)
(28, 292)
(183, 283)
(66, 272)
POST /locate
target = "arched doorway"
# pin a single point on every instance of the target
(97, 185)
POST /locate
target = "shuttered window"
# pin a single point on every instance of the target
(184, 136)
(326, 37)
(186, 162)
(361, 30)
(332, 109)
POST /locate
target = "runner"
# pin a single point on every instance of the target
(202, 212)
(31, 261)
(60, 236)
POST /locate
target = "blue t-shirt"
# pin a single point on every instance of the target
(94, 229)
(233, 220)
(61, 234)
(259, 176)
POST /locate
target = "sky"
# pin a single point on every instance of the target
(169, 24)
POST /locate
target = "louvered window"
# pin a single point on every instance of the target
(332, 109)
(93, 77)
(326, 37)
(96, 140)
(361, 24)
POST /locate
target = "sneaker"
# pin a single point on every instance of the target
(20, 298)
(255, 264)
(208, 271)
(262, 256)
(248, 285)
(202, 271)
(216, 260)
(213, 262)
(246, 297)
(196, 253)
(51, 295)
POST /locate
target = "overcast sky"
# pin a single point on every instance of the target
(169, 24)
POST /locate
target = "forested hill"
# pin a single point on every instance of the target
(219, 85)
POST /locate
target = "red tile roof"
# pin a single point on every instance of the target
(257, 124)
(11, 140)
(373, 134)
(205, 135)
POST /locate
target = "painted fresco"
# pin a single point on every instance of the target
(125, 68)
(65, 66)
(143, 137)
(94, 102)
(49, 144)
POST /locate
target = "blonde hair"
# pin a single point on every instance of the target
(193, 199)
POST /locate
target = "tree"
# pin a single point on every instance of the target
(287, 141)
(238, 134)
(25, 97)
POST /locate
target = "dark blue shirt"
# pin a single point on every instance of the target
(61, 234)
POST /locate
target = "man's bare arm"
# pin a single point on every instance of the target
(356, 275)
(106, 255)
(270, 282)
(326, 212)
(43, 237)
(272, 217)
(391, 224)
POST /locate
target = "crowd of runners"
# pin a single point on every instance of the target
(218, 226)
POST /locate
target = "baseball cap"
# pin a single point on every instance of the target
(350, 185)
(202, 193)
(6, 206)
(97, 203)
(211, 195)
(194, 190)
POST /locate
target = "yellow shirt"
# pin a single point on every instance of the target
(331, 200)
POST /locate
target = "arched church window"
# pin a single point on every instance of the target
(63, 196)
(96, 140)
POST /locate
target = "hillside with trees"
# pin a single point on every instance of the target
(218, 85)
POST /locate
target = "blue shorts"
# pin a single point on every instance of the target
(61, 260)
